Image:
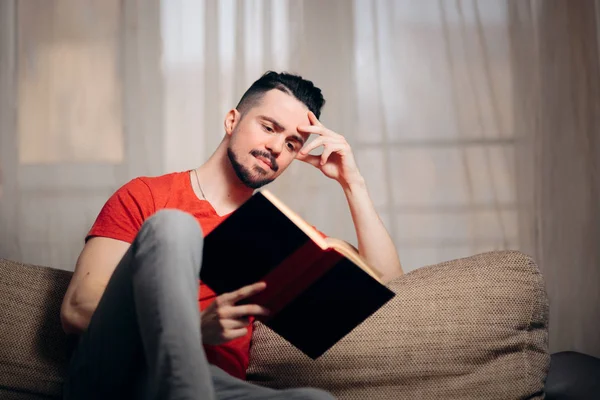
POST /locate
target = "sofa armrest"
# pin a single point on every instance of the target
(34, 350)
(573, 376)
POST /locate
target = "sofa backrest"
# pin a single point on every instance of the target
(470, 328)
(34, 350)
(474, 328)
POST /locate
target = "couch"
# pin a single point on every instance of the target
(473, 328)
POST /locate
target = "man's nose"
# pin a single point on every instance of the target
(275, 145)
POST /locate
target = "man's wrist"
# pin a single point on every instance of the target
(354, 184)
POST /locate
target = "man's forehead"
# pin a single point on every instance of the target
(285, 108)
(304, 136)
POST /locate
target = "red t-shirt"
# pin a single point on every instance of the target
(123, 215)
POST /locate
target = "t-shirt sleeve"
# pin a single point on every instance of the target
(123, 214)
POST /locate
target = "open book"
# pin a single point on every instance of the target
(318, 289)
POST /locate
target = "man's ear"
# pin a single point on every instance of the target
(231, 120)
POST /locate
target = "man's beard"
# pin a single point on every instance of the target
(249, 178)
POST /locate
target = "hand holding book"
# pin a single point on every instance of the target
(224, 319)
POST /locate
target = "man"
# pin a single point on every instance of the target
(133, 294)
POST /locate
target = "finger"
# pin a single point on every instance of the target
(325, 156)
(313, 119)
(321, 141)
(321, 131)
(329, 149)
(242, 293)
(312, 145)
(235, 333)
(235, 323)
(317, 130)
(246, 310)
(309, 159)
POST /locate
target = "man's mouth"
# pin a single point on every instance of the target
(265, 161)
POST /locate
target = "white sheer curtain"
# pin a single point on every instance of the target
(422, 91)
(434, 127)
(437, 98)
(212, 52)
(557, 68)
(80, 113)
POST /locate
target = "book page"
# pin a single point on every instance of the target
(341, 246)
(350, 252)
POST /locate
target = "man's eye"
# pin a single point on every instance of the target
(291, 146)
(268, 128)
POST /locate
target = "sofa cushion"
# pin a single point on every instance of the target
(33, 348)
(469, 328)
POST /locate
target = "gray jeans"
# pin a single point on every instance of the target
(144, 339)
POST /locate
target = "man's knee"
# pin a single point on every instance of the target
(171, 235)
(176, 225)
(309, 394)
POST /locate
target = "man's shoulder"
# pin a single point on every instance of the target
(163, 190)
(160, 183)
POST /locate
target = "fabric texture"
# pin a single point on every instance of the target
(122, 216)
(231, 388)
(34, 350)
(470, 328)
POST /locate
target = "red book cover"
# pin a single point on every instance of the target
(317, 290)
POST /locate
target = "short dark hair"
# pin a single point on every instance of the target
(302, 89)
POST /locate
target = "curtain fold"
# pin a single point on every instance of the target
(557, 97)
(474, 123)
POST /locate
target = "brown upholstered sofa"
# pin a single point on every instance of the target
(474, 328)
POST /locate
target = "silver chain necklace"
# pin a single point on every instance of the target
(200, 186)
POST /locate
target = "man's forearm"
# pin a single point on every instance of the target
(374, 242)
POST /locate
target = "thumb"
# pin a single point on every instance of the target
(315, 161)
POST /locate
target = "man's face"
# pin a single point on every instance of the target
(265, 140)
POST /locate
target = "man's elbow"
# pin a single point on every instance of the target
(79, 304)
(76, 311)
(71, 320)
(392, 277)
(392, 274)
